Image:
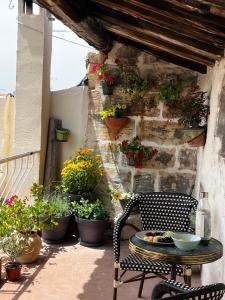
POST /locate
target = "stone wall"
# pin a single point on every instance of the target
(173, 169)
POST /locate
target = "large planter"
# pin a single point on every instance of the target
(32, 251)
(13, 271)
(107, 88)
(115, 125)
(57, 234)
(91, 232)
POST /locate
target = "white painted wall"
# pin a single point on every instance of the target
(33, 87)
(211, 170)
(71, 106)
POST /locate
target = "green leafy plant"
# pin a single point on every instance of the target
(132, 83)
(90, 211)
(194, 110)
(136, 153)
(82, 172)
(169, 93)
(114, 111)
(13, 245)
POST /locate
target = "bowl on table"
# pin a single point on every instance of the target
(186, 241)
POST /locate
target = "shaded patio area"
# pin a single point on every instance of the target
(71, 271)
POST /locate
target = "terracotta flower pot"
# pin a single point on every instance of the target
(13, 271)
(115, 125)
(32, 251)
(193, 136)
(199, 140)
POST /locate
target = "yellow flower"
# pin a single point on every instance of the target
(117, 195)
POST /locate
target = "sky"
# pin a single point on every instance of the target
(68, 59)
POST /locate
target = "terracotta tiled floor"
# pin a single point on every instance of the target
(73, 272)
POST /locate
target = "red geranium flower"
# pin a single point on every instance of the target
(95, 67)
(117, 61)
(128, 154)
(138, 165)
(100, 77)
(110, 79)
(139, 157)
(11, 200)
(124, 143)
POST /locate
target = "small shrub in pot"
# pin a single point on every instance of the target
(92, 221)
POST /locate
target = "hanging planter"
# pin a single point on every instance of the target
(115, 125)
(107, 88)
(195, 137)
(62, 134)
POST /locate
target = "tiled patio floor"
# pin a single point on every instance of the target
(73, 272)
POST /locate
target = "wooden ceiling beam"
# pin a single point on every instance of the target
(125, 21)
(162, 21)
(153, 43)
(218, 3)
(190, 5)
(87, 28)
(168, 57)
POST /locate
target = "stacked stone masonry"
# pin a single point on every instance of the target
(173, 169)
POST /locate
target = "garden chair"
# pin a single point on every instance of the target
(158, 211)
(178, 291)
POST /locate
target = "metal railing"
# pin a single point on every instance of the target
(14, 171)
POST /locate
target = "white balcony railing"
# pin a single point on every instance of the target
(14, 172)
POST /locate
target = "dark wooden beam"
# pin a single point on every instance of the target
(141, 38)
(218, 3)
(168, 57)
(153, 31)
(87, 28)
(163, 21)
(191, 5)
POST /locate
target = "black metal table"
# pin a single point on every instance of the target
(174, 256)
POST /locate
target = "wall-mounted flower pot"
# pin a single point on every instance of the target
(107, 88)
(115, 125)
(62, 134)
(13, 271)
(195, 137)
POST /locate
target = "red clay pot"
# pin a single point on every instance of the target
(199, 140)
(13, 271)
(115, 125)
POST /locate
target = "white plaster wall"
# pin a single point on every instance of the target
(32, 88)
(71, 106)
(211, 170)
(2, 109)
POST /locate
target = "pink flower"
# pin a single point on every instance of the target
(11, 200)
(95, 67)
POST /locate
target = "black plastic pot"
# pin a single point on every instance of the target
(57, 234)
(91, 231)
(107, 88)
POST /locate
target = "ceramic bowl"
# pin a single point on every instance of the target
(186, 241)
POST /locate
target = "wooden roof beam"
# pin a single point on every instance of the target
(168, 57)
(162, 21)
(72, 14)
(153, 43)
(154, 31)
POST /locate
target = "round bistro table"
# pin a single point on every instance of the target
(174, 256)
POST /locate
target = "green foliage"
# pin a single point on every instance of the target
(114, 111)
(169, 92)
(90, 211)
(132, 83)
(194, 110)
(82, 172)
(13, 244)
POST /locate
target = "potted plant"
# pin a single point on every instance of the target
(62, 134)
(105, 77)
(194, 114)
(115, 117)
(170, 93)
(92, 221)
(81, 174)
(55, 214)
(132, 83)
(22, 216)
(119, 197)
(136, 153)
(13, 245)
